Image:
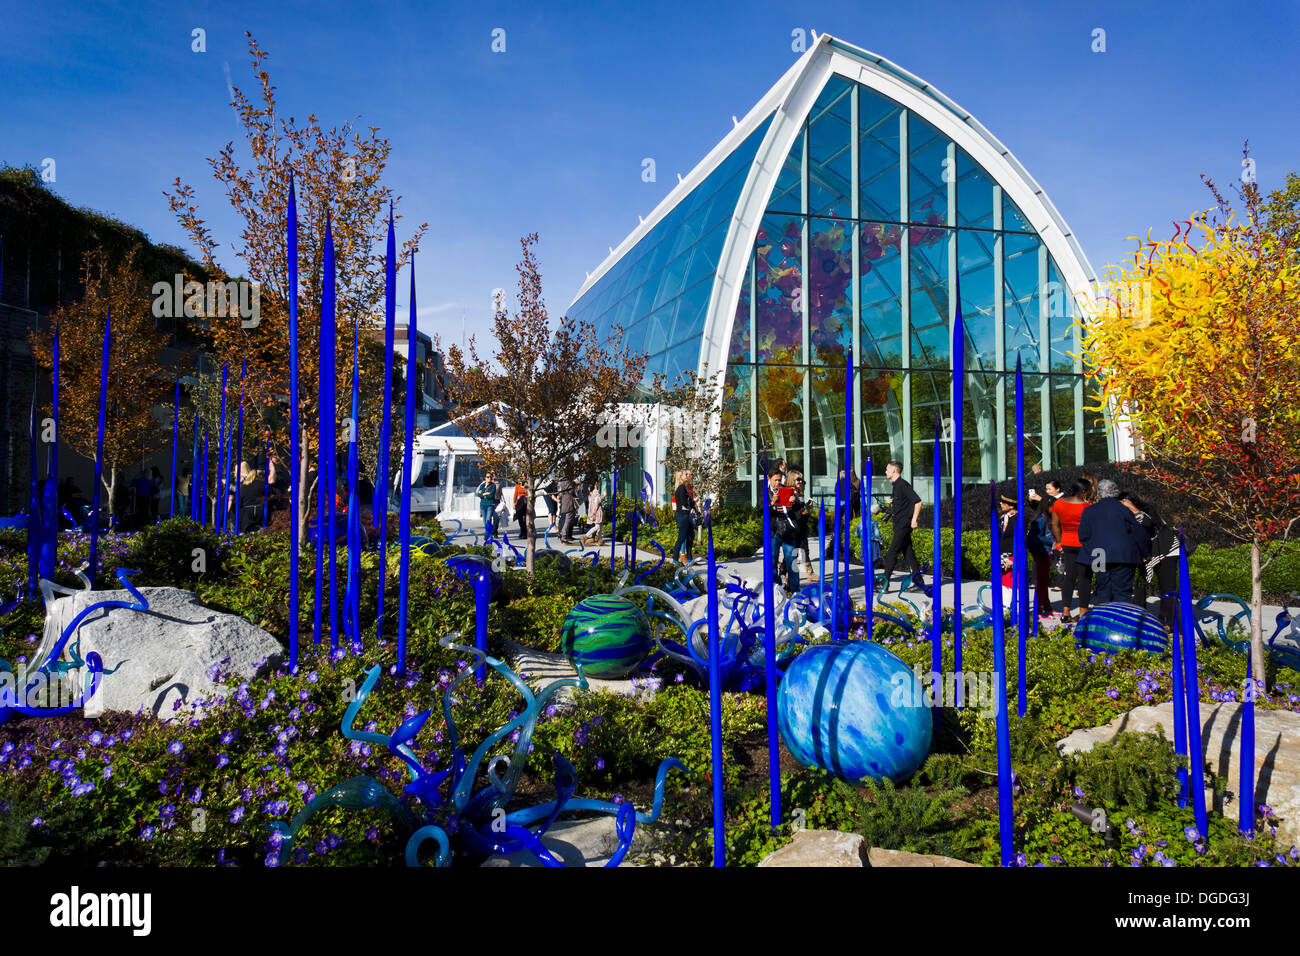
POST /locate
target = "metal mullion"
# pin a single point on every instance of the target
(999, 330)
(855, 300)
(803, 297)
(905, 293)
(1044, 357)
(958, 414)
(753, 380)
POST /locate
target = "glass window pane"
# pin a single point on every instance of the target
(830, 278)
(780, 411)
(881, 278)
(878, 184)
(779, 288)
(928, 191)
(975, 262)
(1063, 421)
(1012, 218)
(974, 193)
(787, 194)
(1060, 308)
(830, 158)
(929, 298)
(1020, 300)
(1033, 414)
(826, 427)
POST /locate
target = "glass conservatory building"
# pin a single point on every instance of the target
(834, 217)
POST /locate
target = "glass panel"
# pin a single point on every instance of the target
(780, 411)
(739, 348)
(787, 195)
(691, 307)
(735, 429)
(830, 277)
(974, 193)
(682, 247)
(830, 158)
(1012, 218)
(826, 427)
(878, 184)
(929, 299)
(928, 191)
(1033, 424)
(1095, 445)
(1060, 308)
(1063, 421)
(931, 402)
(975, 262)
(980, 446)
(779, 280)
(882, 415)
(1020, 300)
(881, 278)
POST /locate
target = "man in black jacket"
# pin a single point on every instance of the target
(1114, 543)
(905, 509)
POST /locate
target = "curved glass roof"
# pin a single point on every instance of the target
(658, 292)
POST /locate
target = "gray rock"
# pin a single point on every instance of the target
(1277, 754)
(879, 857)
(584, 843)
(820, 848)
(161, 656)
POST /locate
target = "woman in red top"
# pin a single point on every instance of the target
(1066, 512)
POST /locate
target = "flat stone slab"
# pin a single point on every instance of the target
(163, 656)
(823, 848)
(1277, 753)
(820, 848)
(879, 857)
(582, 843)
(539, 668)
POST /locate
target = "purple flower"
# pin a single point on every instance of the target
(1192, 834)
(174, 747)
(147, 833)
(96, 737)
(237, 814)
(272, 858)
(600, 763)
(222, 760)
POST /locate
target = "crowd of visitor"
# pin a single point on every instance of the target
(1093, 541)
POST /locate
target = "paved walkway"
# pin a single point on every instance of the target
(751, 569)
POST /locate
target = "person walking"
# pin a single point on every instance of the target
(905, 510)
(1066, 512)
(790, 529)
(1112, 540)
(568, 511)
(521, 511)
(155, 496)
(595, 516)
(1039, 544)
(487, 503)
(686, 515)
(183, 495)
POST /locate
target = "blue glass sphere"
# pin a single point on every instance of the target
(855, 710)
(1120, 627)
(469, 566)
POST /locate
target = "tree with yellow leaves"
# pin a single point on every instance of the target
(139, 381)
(338, 172)
(1197, 345)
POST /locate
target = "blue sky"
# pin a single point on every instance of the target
(550, 135)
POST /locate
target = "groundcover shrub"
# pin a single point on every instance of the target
(136, 790)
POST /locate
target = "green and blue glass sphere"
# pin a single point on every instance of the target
(1116, 627)
(608, 635)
